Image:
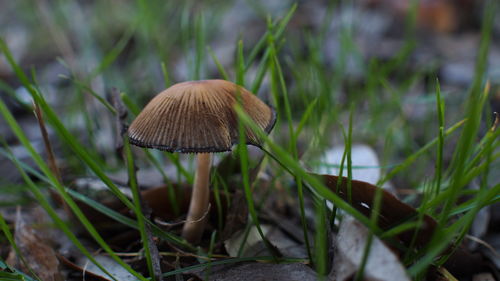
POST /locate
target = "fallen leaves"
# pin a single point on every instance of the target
(257, 272)
(382, 264)
(35, 255)
(392, 212)
(112, 266)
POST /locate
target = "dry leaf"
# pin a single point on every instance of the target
(392, 211)
(111, 266)
(39, 256)
(158, 200)
(257, 272)
(253, 243)
(382, 263)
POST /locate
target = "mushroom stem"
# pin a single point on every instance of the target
(195, 222)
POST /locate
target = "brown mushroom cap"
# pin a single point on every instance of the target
(198, 116)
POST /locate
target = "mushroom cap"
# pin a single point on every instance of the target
(197, 117)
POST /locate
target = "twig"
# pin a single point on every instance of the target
(121, 128)
(120, 119)
(48, 147)
(172, 224)
(175, 254)
(51, 159)
(484, 243)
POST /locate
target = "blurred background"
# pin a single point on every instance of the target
(377, 59)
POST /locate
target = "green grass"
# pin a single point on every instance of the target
(314, 100)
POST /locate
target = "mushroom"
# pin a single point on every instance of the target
(198, 117)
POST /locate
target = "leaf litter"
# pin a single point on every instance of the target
(382, 264)
(278, 219)
(35, 255)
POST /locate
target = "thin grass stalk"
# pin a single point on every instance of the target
(141, 225)
(6, 88)
(277, 72)
(459, 162)
(278, 34)
(50, 154)
(411, 253)
(339, 180)
(12, 274)
(264, 64)
(463, 151)
(446, 236)
(322, 245)
(158, 232)
(166, 76)
(305, 117)
(410, 159)
(440, 146)
(215, 183)
(243, 154)
(376, 202)
(209, 254)
(400, 229)
(240, 65)
(366, 251)
(474, 107)
(480, 197)
(84, 88)
(471, 174)
(61, 190)
(113, 54)
(58, 126)
(283, 158)
(348, 148)
(130, 104)
(53, 214)
(246, 233)
(274, 79)
(221, 69)
(199, 30)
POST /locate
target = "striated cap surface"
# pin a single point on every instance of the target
(198, 116)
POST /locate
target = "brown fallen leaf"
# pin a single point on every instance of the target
(38, 255)
(162, 211)
(158, 200)
(392, 211)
